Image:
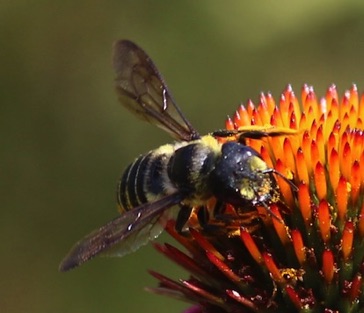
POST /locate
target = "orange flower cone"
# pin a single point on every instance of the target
(306, 253)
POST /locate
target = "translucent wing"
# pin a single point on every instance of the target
(142, 91)
(123, 235)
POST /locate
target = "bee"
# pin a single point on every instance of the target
(187, 173)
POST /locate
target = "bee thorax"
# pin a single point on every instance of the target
(189, 169)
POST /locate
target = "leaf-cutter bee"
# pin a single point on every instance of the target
(187, 173)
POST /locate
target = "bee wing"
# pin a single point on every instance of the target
(123, 235)
(142, 91)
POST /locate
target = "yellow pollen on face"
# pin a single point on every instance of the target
(246, 190)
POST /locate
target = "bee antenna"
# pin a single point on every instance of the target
(271, 213)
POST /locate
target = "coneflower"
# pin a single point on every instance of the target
(304, 254)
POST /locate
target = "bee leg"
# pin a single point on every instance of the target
(252, 133)
(224, 133)
(183, 217)
(203, 216)
(219, 208)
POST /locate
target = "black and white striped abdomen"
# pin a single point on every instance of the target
(146, 179)
(182, 167)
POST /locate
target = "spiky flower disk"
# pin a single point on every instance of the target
(308, 259)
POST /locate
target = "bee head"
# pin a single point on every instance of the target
(241, 177)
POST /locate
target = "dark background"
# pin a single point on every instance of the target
(65, 139)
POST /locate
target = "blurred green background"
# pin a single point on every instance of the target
(65, 139)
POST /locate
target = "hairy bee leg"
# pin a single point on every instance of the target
(203, 216)
(243, 135)
(219, 208)
(254, 132)
(224, 133)
(183, 217)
